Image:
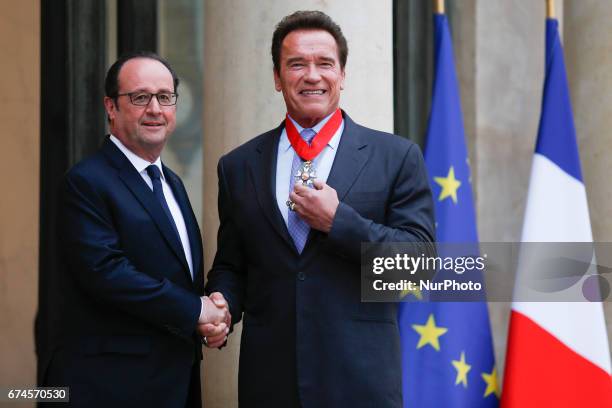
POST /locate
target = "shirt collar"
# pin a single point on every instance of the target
(285, 144)
(138, 162)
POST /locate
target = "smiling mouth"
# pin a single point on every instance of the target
(313, 92)
(152, 124)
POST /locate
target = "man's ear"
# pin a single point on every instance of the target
(110, 107)
(342, 74)
(277, 81)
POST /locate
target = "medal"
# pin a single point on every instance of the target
(305, 174)
(307, 152)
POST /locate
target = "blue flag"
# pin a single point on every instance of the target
(447, 349)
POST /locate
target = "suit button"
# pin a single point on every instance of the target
(301, 276)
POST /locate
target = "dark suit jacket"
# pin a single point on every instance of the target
(306, 335)
(130, 305)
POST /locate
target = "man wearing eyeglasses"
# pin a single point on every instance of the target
(134, 310)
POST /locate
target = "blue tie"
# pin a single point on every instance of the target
(155, 174)
(298, 228)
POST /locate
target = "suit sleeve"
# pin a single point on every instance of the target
(228, 272)
(92, 248)
(410, 213)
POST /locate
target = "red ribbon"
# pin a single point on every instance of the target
(309, 152)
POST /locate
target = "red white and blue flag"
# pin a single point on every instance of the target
(558, 353)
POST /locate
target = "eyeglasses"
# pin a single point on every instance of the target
(144, 98)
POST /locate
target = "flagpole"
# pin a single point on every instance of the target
(438, 6)
(550, 8)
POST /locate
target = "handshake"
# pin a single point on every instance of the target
(215, 320)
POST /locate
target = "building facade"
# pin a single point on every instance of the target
(56, 53)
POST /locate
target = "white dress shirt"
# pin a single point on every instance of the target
(141, 165)
(322, 163)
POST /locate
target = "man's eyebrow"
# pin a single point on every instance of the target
(327, 59)
(294, 59)
(299, 59)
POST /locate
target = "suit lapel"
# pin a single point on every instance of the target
(262, 170)
(350, 159)
(142, 192)
(193, 232)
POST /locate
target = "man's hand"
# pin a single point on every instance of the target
(214, 335)
(213, 313)
(220, 302)
(215, 320)
(316, 206)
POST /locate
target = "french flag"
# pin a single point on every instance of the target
(558, 353)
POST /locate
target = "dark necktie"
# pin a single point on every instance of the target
(155, 174)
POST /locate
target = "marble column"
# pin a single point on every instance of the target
(588, 51)
(19, 207)
(240, 102)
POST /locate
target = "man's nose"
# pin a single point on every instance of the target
(154, 106)
(312, 73)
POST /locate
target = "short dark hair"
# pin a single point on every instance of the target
(307, 20)
(111, 83)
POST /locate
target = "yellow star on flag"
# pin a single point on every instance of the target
(492, 385)
(449, 185)
(416, 292)
(429, 333)
(463, 369)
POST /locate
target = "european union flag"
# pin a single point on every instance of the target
(447, 350)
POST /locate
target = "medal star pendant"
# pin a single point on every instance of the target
(305, 174)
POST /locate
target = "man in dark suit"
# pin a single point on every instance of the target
(133, 284)
(294, 205)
